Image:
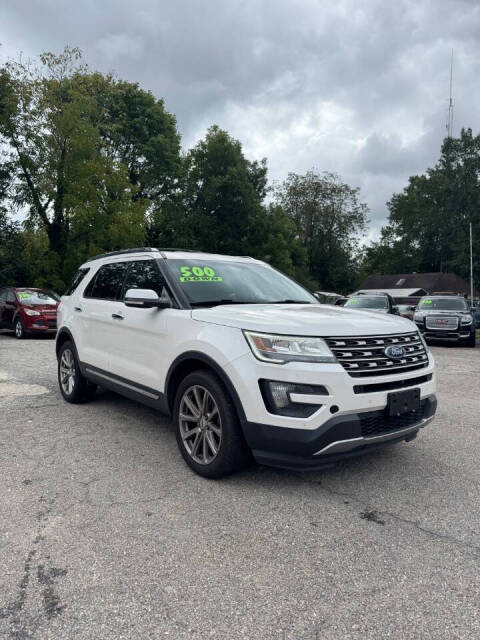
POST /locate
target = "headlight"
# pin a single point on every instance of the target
(424, 342)
(31, 312)
(466, 319)
(282, 349)
(418, 317)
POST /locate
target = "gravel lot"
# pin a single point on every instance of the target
(106, 534)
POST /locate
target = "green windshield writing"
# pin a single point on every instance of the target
(199, 274)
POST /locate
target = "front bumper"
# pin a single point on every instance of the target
(41, 325)
(40, 329)
(340, 437)
(462, 333)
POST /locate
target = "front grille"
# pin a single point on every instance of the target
(388, 386)
(52, 323)
(442, 322)
(363, 356)
(376, 423)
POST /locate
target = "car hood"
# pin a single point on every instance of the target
(303, 319)
(441, 312)
(371, 310)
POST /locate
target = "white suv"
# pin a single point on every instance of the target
(244, 358)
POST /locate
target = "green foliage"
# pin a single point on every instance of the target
(329, 219)
(142, 136)
(12, 266)
(88, 156)
(222, 193)
(428, 226)
(92, 163)
(219, 208)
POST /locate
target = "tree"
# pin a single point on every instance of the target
(141, 135)
(88, 153)
(276, 240)
(329, 219)
(219, 207)
(390, 254)
(428, 225)
(223, 193)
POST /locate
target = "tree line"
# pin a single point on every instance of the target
(429, 222)
(91, 163)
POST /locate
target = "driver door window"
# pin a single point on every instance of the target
(144, 274)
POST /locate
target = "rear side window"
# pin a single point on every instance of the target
(144, 274)
(108, 283)
(77, 278)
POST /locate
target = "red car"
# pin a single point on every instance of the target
(28, 310)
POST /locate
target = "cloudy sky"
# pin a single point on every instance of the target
(358, 87)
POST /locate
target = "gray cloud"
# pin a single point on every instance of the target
(356, 88)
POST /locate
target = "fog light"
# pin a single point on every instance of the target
(278, 400)
(280, 391)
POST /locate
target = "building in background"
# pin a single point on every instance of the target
(410, 287)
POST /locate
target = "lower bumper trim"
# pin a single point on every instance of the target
(340, 437)
(354, 443)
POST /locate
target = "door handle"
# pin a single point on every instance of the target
(117, 316)
(77, 308)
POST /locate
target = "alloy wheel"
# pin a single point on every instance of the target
(200, 424)
(18, 329)
(67, 372)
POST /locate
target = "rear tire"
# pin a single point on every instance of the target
(74, 387)
(207, 428)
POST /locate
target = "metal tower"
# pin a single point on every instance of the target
(450, 104)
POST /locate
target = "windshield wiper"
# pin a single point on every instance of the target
(290, 302)
(212, 303)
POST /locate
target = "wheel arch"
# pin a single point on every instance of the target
(17, 315)
(63, 336)
(193, 361)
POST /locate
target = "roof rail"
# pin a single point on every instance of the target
(148, 250)
(195, 251)
(121, 252)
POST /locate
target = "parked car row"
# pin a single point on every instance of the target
(28, 310)
(448, 318)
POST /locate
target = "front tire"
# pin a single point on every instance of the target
(19, 329)
(207, 428)
(74, 387)
(472, 341)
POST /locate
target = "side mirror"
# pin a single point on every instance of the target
(412, 308)
(395, 310)
(146, 299)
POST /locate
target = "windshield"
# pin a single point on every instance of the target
(37, 297)
(368, 302)
(210, 282)
(444, 304)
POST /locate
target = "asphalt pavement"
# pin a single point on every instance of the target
(106, 534)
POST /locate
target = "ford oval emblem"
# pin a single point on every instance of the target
(394, 352)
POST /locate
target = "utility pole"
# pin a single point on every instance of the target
(450, 104)
(471, 265)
